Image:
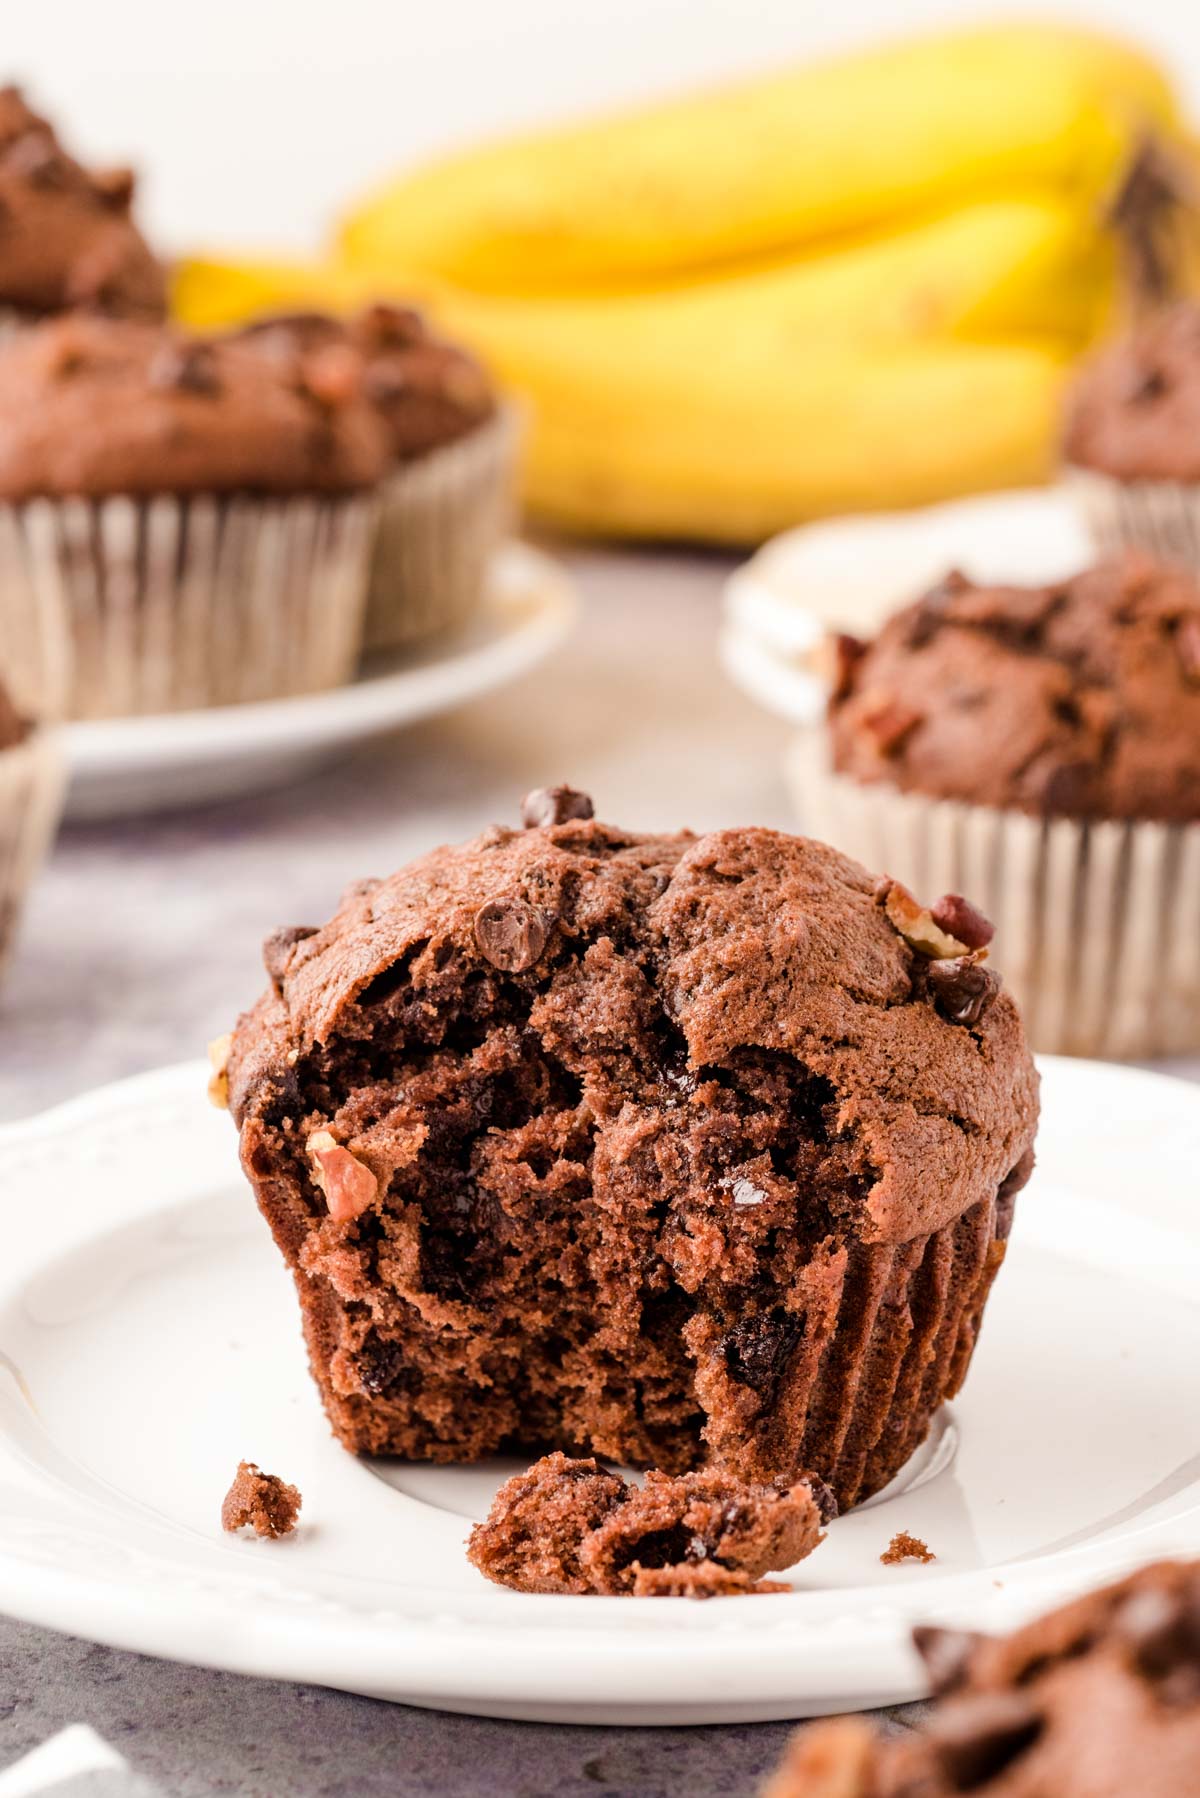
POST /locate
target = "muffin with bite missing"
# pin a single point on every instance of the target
(1039, 747)
(680, 1151)
(447, 498)
(68, 237)
(201, 516)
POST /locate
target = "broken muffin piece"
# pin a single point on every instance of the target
(260, 1501)
(572, 1526)
(904, 1547)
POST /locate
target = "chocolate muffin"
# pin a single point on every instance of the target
(1097, 1700)
(446, 504)
(1079, 699)
(31, 788)
(1132, 436)
(68, 235)
(1038, 747)
(679, 1151)
(201, 515)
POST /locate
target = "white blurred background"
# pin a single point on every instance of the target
(252, 122)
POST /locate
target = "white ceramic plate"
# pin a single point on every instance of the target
(849, 573)
(148, 1340)
(120, 766)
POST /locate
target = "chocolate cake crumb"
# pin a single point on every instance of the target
(567, 1525)
(904, 1547)
(261, 1501)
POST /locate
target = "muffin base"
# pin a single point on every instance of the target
(440, 520)
(1097, 923)
(32, 782)
(174, 603)
(1160, 517)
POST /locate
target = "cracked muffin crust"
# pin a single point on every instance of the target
(572, 1526)
(1097, 1700)
(68, 237)
(666, 1149)
(1080, 699)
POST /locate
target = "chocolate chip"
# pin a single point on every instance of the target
(277, 949)
(185, 367)
(510, 934)
(1187, 646)
(383, 1367)
(962, 920)
(1161, 1630)
(1148, 384)
(946, 1654)
(847, 653)
(891, 724)
(759, 1349)
(114, 188)
(975, 1739)
(554, 805)
(962, 989)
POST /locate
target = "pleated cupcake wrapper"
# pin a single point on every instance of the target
(1097, 924)
(1161, 517)
(440, 520)
(888, 1330)
(32, 782)
(170, 603)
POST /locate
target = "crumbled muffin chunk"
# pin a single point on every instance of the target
(261, 1502)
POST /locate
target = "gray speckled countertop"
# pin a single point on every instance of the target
(143, 942)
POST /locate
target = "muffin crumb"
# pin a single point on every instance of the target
(904, 1547)
(261, 1502)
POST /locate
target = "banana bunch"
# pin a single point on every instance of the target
(846, 286)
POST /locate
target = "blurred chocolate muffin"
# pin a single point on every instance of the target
(1100, 1699)
(673, 1150)
(67, 237)
(201, 516)
(446, 502)
(1079, 699)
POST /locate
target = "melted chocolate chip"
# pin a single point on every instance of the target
(554, 805)
(962, 920)
(975, 1739)
(277, 949)
(185, 367)
(759, 1349)
(510, 934)
(382, 1367)
(962, 989)
(946, 1654)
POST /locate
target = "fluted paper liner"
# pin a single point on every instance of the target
(440, 520)
(174, 602)
(31, 792)
(1097, 924)
(1160, 517)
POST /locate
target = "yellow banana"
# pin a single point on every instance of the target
(208, 293)
(800, 158)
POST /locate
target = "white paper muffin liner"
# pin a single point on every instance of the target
(31, 794)
(1160, 517)
(171, 603)
(1097, 924)
(440, 520)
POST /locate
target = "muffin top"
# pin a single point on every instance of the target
(428, 391)
(1079, 699)
(67, 237)
(99, 406)
(1097, 1700)
(1134, 412)
(672, 979)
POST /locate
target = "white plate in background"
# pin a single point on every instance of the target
(123, 766)
(149, 1340)
(850, 573)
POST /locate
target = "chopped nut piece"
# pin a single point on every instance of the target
(917, 926)
(218, 1056)
(959, 918)
(260, 1501)
(348, 1183)
(904, 1547)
